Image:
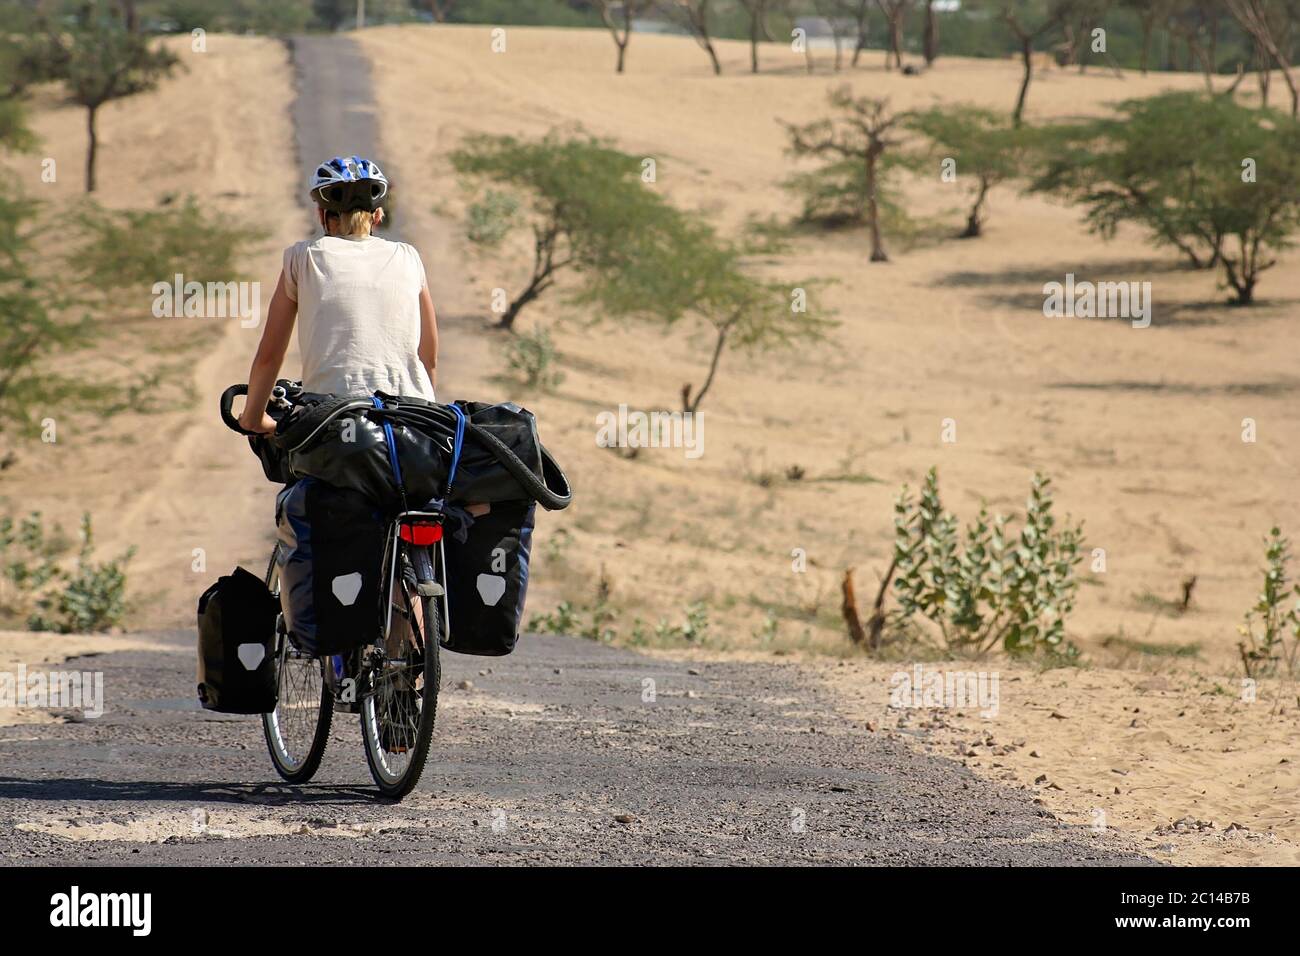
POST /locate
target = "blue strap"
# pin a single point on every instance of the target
(456, 446)
(391, 441)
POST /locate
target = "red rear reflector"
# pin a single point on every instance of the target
(422, 535)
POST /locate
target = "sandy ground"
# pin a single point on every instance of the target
(1195, 768)
(1140, 428)
(175, 483)
(39, 653)
(1180, 761)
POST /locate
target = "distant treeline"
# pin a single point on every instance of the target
(1201, 35)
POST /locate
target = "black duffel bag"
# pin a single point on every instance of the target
(330, 557)
(492, 452)
(487, 579)
(237, 645)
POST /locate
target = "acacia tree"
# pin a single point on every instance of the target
(834, 11)
(702, 277)
(758, 11)
(99, 59)
(1149, 13)
(441, 9)
(30, 332)
(1196, 23)
(694, 15)
(895, 11)
(859, 11)
(1271, 35)
(930, 36)
(591, 215)
(861, 131)
(620, 31)
(1077, 19)
(1173, 164)
(985, 147)
(1029, 21)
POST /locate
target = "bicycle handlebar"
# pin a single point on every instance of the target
(227, 405)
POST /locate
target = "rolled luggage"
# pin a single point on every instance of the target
(492, 450)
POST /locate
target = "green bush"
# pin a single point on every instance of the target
(132, 249)
(1266, 649)
(491, 218)
(532, 356)
(988, 585)
(35, 586)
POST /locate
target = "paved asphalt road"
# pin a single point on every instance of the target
(557, 754)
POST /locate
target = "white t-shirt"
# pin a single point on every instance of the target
(358, 315)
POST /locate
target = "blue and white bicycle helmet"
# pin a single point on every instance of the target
(348, 183)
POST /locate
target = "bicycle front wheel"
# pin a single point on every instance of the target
(298, 730)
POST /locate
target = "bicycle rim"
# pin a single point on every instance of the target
(400, 705)
(297, 731)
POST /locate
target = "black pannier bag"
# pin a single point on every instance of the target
(330, 558)
(236, 672)
(487, 580)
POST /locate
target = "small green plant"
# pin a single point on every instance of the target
(555, 547)
(986, 586)
(92, 597)
(532, 356)
(767, 632)
(594, 622)
(491, 218)
(30, 561)
(1266, 649)
(695, 629)
(563, 620)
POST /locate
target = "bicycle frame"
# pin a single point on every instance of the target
(437, 567)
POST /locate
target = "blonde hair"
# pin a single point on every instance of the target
(357, 222)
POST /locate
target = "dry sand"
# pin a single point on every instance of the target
(174, 481)
(1180, 760)
(1139, 428)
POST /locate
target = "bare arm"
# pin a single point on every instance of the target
(280, 317)
(428, 336)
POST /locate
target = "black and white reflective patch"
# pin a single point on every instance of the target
(490, 588)
(346, 587)
(250, 655)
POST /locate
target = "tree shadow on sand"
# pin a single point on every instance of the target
(1262, 389)
(996, 289)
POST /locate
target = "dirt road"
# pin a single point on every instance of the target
(565, 752)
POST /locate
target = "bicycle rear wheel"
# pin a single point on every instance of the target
(298, 730)
(401, 699)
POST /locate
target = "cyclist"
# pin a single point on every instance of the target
(362, 306)
(361, 303)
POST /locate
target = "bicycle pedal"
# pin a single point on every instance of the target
(429, 589)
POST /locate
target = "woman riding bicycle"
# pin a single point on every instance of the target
(365, 323)
(362, 305)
